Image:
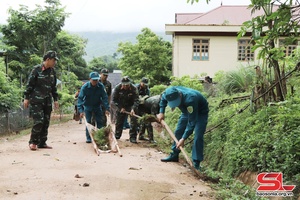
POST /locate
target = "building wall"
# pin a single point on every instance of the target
(222, 56)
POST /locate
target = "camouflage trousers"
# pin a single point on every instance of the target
(40, 113)
(146, 126)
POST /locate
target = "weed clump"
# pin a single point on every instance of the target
(101, 137)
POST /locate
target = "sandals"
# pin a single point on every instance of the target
(33, 147)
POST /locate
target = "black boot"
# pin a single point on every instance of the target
(173, 157)
(151, 140)
(196, 164)
(133, 140)
(142, 137)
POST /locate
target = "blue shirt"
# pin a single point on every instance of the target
(91, 97)
(193, 104)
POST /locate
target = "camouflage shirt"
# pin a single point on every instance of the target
(41, 85)
(126, 98)
(107, 86)
(151, 105)
(143, 90)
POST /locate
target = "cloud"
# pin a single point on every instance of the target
(121, 15)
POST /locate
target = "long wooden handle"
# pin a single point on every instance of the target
(116, 143)
(128, 113)
(92, 138)
(113, 136)
(175, 139)
(182, 149)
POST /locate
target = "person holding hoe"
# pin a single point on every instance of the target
(194, 116)
(92, 98)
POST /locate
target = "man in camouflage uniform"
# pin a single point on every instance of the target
(149, 106)
(125, 98)
(40, 89)
(108, 89)
(144, 92)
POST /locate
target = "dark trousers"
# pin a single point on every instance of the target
(98, 118)
(41, 113)
(146, 126)
(120, 122)
(197, 149)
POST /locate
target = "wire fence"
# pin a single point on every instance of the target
(14, 121)
(17, 120)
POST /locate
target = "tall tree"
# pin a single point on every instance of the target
(151, 57)
(32, 32)
(108, 62)
(71, 49)
(277, 22)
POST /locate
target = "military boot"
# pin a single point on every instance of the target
(151, 140)
(133, 140)
(196, 164)
(142, 137)
(173, 157)
(88, 138)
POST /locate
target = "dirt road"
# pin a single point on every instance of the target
(51, 173)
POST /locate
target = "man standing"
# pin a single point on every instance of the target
(194, 108)
(143, 87)
(40, 89)
(125, 98)
(90, 100)
(108, 89)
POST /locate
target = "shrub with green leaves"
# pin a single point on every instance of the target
(267, 140)
(236, 81)
(10, 93)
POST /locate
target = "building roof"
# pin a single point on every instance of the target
(182, 18)
(114, 78)
(222, 15)
(221, 20)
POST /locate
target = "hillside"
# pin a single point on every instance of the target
(106, 43)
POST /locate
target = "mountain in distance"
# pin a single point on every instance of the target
(106, 43)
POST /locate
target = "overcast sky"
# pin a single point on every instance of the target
(120, 15)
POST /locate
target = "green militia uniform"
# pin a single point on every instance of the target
(40, 90)
(127, 99)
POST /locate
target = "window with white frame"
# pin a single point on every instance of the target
(200, 49)
(289, 48)
(244, 51)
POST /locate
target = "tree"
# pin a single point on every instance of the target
(71, 49)
(10, 92)
(32, 32)
(96, 64)
(277, 22)
(108, 62)
(150, 56)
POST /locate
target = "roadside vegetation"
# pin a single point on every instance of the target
(239, 140)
